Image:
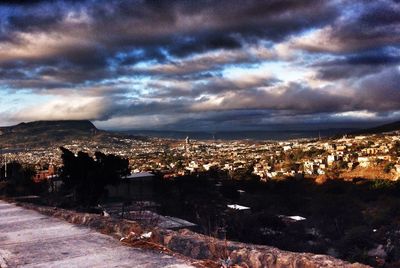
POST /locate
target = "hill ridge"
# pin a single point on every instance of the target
(45, 132)
(389, 127)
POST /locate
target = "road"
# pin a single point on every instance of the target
(29, 239)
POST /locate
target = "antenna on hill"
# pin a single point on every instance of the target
(186, 146)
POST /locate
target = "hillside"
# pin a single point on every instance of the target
(42, 133)
(395, 126)
(241, 135)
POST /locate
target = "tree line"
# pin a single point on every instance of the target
(83, 177)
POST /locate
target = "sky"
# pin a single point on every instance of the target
(201, 65)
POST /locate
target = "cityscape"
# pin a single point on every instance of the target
(358, 156)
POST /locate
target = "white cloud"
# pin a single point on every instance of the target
(71, 107)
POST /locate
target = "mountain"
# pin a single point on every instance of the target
(394, 126)
(42, 133)
(61, 127)
(241, 135)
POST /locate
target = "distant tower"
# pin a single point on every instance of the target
(187, 145)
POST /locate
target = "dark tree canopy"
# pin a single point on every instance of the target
(86, 176)
(19, 179)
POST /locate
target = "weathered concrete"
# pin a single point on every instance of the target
(210, 251)
(30, 239)
(198, 246)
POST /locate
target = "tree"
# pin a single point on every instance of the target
(19, 179)
(87, 177)
(388, 167)
(395, 150)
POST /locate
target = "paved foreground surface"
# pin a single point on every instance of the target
(30, 239)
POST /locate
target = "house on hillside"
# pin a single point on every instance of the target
(364, 161)
(397, 167)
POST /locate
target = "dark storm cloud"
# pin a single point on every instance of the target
(373, 59)
(200, 43)
(118, 107)
(157, 28)
(119, 24)
(368, 25)
(356, 65)
(206, 84)
(21, 2)
(219, 85)
(379, 14)
(166, 58)
(380, 92)
(34, 22)
(293, 97)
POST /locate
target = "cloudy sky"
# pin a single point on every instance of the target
(201, 65)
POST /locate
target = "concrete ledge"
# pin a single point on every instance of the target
(199, 246)
(3, 256)
(115, 227)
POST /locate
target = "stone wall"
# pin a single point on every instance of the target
(107, 225)
(199, 246)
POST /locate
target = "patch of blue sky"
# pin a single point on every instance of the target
(166, 53)
(145, 64)
(136, 86)
(281, 70)
(20, 99)
(132, 53)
